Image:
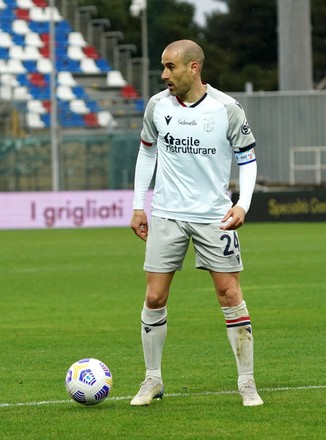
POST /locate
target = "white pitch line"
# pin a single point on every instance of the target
(204, 393)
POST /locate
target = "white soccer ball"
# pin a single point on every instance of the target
(88, 381)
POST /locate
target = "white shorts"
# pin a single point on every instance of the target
(168, 242)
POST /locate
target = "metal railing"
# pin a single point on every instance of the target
(316, 164)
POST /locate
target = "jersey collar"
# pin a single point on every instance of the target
(192, 105)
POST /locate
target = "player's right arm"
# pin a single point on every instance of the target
(144, 172)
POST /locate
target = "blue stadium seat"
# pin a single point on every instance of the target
(79, 92)
(6, 26)
(19, 40)
(22, 79)
(30, 66)
(4, 53)
(93, 106)
(103, 65)
(46, 118)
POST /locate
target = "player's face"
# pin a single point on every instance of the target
(176, 74)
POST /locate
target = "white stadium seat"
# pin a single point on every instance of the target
(104, 118)
(5, 39)
(20, 27)
(52, 12)
(88, 65)
(79, 106)
(34, 120)
(35, 106)
(9, 80)
(76, 39)
(25, 4)
(115, 79)
(6, 93)
(65, 93)
(75, 53)
(21, 93)
(66, 79)
(44, 65)
(33, 39)
(37, 14)
(15, 66)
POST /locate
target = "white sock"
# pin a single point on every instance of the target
(240, 337)
(153, 334)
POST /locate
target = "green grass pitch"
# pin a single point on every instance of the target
(70, 294)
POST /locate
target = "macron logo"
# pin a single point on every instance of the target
(168, 119)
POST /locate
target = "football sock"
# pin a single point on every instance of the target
(153, 334)
(240, 337)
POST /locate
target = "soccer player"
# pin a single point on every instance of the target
(190, 133)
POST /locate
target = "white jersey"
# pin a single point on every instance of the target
(195, 145)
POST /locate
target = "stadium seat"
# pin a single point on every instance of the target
(93, 106)
(88, 65)
(115, 79)
(5, 39)
(15, 66)
(65, 93)
(22, 79)
(76, 39)
(50, 13)
(10, 80)
(33, 39)
(5, 93)
(39, 27)
(75, 53)
(66, 79)
(36, 106)
(22, 14)
(4, 53)
(47, 105)
(103, 65)
(30, 66)
(21, 93)
(91, 52)
(44, 65)
(79, 106)
(41, 93)
(129, 92)
(33, 120)
(37, 79)
(20, 27)
(91, 120)
(25, 4)
(104, 118)
(40, 3)
(18, 40)
(6, 26)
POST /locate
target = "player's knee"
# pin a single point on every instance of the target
(155, 300)
(229, 294)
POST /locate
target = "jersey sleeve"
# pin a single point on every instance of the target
(239, 132)
(149, 132)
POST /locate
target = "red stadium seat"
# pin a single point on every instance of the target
(22, 14)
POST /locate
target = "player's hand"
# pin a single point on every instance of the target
(234, 218)
(138, 223)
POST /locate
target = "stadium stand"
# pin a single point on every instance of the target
(26, 66)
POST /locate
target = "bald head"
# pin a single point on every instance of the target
(186, 51)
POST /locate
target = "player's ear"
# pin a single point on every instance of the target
(194, 67)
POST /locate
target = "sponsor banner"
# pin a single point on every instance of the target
(66, 209)
(294, 206)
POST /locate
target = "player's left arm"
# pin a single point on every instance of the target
(235, 216)
(243, 142)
